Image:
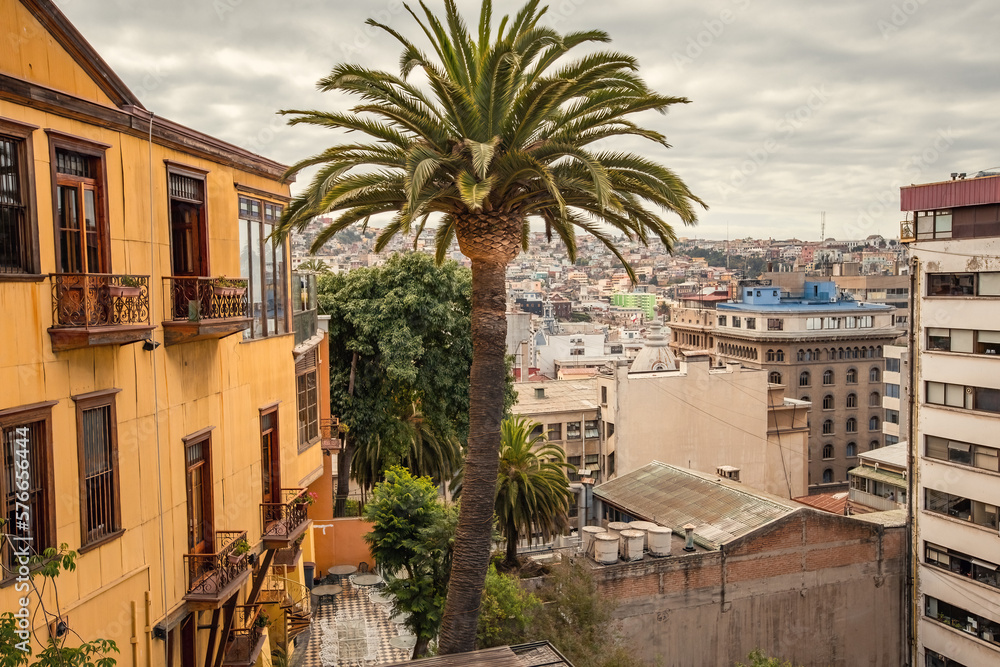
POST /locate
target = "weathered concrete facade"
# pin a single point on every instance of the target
(813, 588)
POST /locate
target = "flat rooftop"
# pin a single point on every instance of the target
(578, 395)
(807, 307)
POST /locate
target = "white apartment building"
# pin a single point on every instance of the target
(953, 231)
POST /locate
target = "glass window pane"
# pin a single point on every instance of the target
(281, 280)
(257, 280)
(935, 393)
(245, 259)
(269, 283)
(987, 399)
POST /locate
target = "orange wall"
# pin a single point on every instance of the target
(339, 541)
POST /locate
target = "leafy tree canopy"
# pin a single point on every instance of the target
(408, 322)
(758, 658)
(411, 541)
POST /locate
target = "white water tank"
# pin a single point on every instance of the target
(658, 539)
(616, 527)
(587, 536)
(630, 544)
(644, 526)
(605, 548)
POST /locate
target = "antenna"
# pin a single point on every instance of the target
(822, 226)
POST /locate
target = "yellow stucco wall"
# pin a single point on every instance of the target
(165, 395)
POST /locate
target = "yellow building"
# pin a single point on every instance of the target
(160, 369)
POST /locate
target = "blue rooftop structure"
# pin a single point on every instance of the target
(817, 296)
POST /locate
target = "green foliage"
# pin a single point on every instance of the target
(580, 317)
(758, 658)
(577, 619)
(412, 542)
(56, 652)
(504, 611)
(751, 267)
(409, 323)
(532, 486)
(314, 266)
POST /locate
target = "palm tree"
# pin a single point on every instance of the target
(532, 487)
(502, 132)
(314, 265)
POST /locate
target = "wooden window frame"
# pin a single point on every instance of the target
(61, 140)
(89, 401)
(260, 220)
(22, 134)
(306, 442)
(27, 414)
(178, 169)
(204, 437)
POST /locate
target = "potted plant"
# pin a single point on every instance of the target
(307, 499)
(129, 287)
(261, 621)
(239, 552)
(228, 287)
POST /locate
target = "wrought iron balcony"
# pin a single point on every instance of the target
(283, 523)
(214, 577)
(201, 308)
(329, 430)
(907, 233)
(246, 639)
(91, 309)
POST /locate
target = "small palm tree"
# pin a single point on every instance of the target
(503, 132)
(532, 486)
(314, 266)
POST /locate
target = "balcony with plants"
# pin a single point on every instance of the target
(214, 577)
(91, 309)
(285, 522)
(246, 638)
(199, 308)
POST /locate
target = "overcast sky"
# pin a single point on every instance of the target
(797, 106)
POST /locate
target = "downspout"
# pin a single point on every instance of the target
(910, 613)
(152, 358)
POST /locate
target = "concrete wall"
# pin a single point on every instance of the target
(813, 588)
(703, 418)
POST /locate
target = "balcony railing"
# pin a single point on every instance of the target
(212, 576)
(906, 232)
(282, 523)
(99, 300)
(98, 309)
(194, 298)
(246, 636)
(199, 308)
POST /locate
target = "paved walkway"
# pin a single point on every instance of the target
(351, 604)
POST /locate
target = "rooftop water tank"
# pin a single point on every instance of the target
(643, 526)
(658, 539)
(605, 549)
(587, 536)
(616, 527)
(630, 544)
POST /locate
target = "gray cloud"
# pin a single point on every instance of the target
(797, 107)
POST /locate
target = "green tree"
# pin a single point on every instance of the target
(411, 541)
(502, 132)
(576, 618)
(506, 609)
(532, 487)
(401, 349)
(16, 649)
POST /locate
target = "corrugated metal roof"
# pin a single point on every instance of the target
(671, 496)
(946, 194)
(878, 475)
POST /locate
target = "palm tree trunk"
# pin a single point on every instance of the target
(511, 558)
(345, 455)
(473, 535)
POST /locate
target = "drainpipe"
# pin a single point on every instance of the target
(910, 613)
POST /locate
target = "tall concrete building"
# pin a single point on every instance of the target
(823, 348)
(953, 233)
